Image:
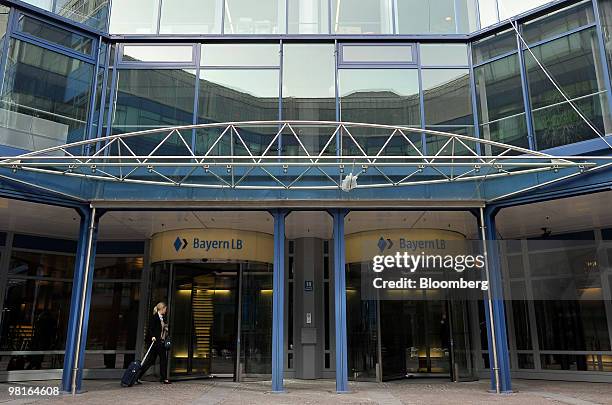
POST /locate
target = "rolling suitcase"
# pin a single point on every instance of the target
(131, 373)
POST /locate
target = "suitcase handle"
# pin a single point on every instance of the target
(147, 353)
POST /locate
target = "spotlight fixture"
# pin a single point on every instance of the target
(349, 182)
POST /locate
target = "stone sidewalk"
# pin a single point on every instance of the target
(322, 392)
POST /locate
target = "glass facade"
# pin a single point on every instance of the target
(492, 87)
(418, 64)
(559, 334)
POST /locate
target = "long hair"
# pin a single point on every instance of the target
(158, 307)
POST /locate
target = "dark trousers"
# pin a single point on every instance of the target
(158, 349)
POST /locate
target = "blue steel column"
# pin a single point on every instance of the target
(278, 302)
(81, 288)
(340, 302)
(501, 380)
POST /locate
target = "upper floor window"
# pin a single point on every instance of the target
(254, 17)
(56, 35)
(362, 17)
(377, 54)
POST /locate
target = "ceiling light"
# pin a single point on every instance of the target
(448, 18)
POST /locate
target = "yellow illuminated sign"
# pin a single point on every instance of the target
(212, 244)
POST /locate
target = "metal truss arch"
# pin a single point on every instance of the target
(286, 155)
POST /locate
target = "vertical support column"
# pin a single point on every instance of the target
(80, 302)
(499, 360)
(278, 302)
(340, 302)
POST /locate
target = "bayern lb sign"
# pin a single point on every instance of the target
(212, 244)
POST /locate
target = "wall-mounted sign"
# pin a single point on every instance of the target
(212, 244)
(308, 285)
(363, 246)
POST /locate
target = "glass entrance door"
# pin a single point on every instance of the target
(203, 319)
(415, 339)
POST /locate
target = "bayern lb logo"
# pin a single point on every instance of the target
(180, 244)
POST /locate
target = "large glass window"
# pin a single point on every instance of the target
(51, 33)
(448, 105)
(558, 22)
(308, 16)
(443, 54)
(501, 111)
(158, 53)
(148, 99)
(354, 53)
(254, 17)
(378, 96)
(309, 82)
(190, 17)
(493, 46)
(134, 17)
(36, 310)
(361, 17)
(89, 12)
(231, 95)
(309, 94)
(436, 16)
(574, 63)
(240, 55)
(114, 301)
(45, 98)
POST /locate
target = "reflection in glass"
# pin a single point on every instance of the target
(134, 17)
(444, 54)
(308, 16)
(378, 96)
(447, 98)
(158, 53)
(113, 321)
(389, 96)
(378, 53)
(495, 45)
(148, 99)
(238, 95)
(55, 34)
(153, 98)
(4, 15)
(93, 13)
(115, 303)
(501, 110)
(362, 328)
(256, 326)
(573, 62)
(448, 108)
(558, 22)
(30, 264)
(240, 55)
(36, 311)
(309, 82)
(309, 95)
(515, 7)
(436, 16)
(361, 17)
(254, 17)
(45, 98)
(190, 17)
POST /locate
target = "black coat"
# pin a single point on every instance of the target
(154, 329)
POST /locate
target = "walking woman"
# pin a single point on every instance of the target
(157, 333)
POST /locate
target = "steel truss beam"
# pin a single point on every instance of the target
(289, 155)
